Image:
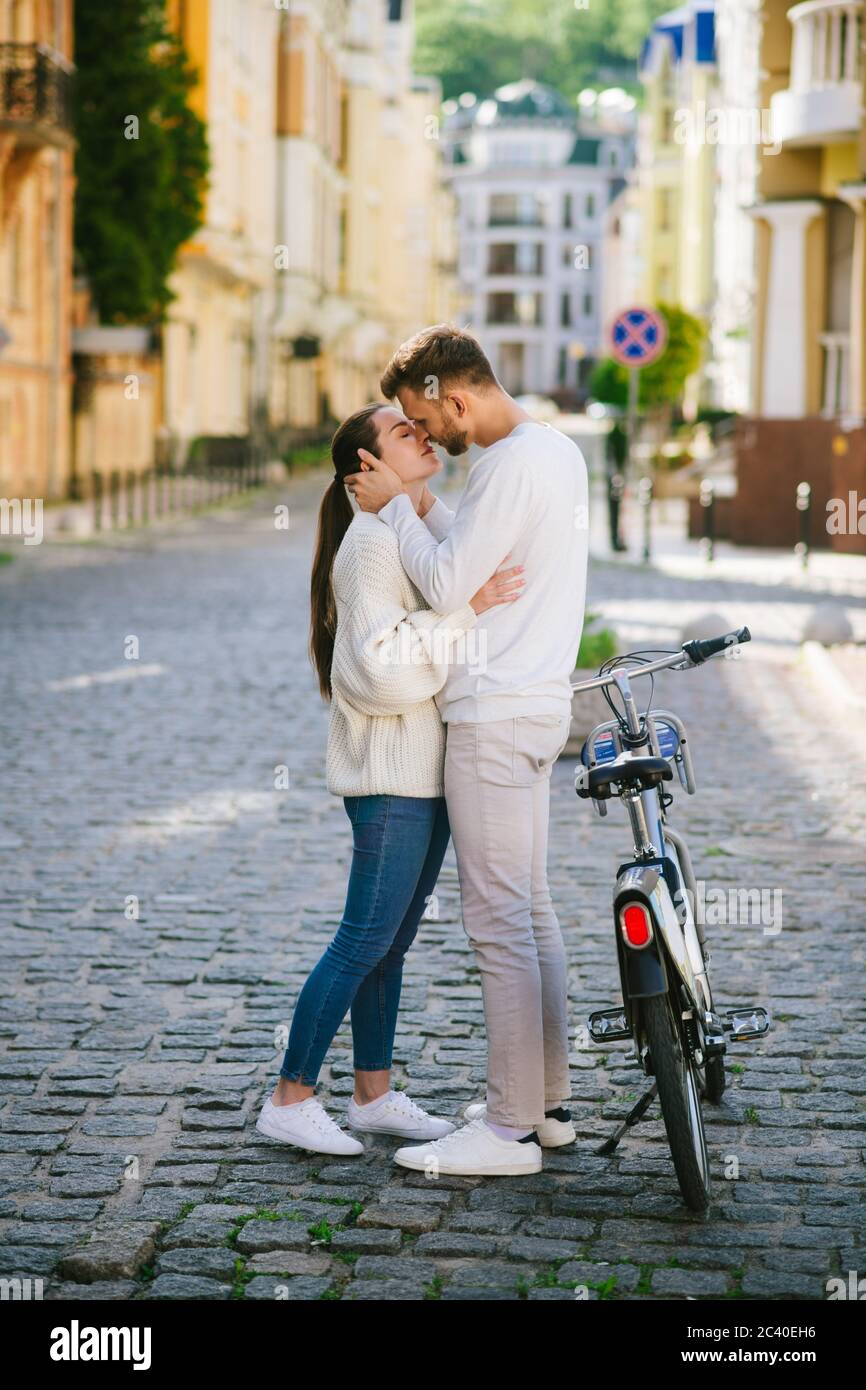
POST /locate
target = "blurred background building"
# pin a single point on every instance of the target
(36, 187)
(346, 205)
(533, 180)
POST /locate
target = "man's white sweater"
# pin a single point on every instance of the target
(525, 503)
(391, 657)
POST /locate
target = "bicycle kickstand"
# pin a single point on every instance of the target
(636, 1113)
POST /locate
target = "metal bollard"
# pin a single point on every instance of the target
(615, 489)
(114, 498)
(130, 486)
(645, 497)
(804, 510)
(707, 499)
(97, 501)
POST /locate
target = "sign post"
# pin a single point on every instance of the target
(638, 336)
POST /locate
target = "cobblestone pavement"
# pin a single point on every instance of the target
(137, 1049)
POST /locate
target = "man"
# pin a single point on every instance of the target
(507, 720)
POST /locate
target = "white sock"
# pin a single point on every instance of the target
(508, 1132)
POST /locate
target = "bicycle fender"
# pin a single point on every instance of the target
(643, 973)
(647, 884)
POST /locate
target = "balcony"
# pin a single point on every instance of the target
(822, 103)
(35, 95)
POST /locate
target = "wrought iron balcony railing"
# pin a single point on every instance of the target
(35, 94)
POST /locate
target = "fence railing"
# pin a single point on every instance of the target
(123, 498)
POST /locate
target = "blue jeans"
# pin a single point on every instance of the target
(399, 845)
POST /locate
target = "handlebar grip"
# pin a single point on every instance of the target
(701, 648)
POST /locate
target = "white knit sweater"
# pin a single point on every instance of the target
(391, 656)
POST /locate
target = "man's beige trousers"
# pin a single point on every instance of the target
(497, 786)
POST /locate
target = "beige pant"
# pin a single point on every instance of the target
(497, 787)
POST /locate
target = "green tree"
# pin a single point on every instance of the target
(141, 159)
(663, 381)
(477, 45)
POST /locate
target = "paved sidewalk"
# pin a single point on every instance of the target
(162, 903)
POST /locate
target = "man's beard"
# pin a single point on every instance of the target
(453, 441)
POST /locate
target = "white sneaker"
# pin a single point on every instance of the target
(398, 1115)
(552, 1134)
(474, 1149)
(307, 1126)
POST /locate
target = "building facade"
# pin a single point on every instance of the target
(363, 225)
(216, 338)
(36, 191)
(533, 181)
(808, 361)
(676, 166)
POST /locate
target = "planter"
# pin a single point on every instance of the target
(588, 708)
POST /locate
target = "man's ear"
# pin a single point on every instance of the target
(458, 403)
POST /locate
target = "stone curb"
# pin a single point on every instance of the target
(826, 673)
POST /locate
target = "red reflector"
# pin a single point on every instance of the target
(636, 925)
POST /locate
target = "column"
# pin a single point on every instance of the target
(784, 376)
(855, 196)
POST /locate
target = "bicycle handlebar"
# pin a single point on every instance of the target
(695, 652)
(701, 648)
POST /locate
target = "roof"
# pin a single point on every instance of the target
(522, 101)
(687, 34)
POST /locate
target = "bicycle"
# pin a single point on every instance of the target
(679, 1038)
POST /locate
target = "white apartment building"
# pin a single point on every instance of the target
(533, 179)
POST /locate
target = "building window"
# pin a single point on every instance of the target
(511, 209)
(565, 311)
(562, 371)
(508, 308)
(590, 205)
(587, 304)
(530, 258)
(567, 211)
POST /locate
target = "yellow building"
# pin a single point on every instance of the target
(399, 267)
(811, 235)
(363, 215)
(311, 309)
(676, 162)
(36, 186)
(216, 338)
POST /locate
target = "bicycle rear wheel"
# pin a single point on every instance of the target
(679, 1096)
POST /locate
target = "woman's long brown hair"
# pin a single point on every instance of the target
(335, 515)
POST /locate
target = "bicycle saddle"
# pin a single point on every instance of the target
(647, 772)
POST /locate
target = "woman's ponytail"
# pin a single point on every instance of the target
(335, 516)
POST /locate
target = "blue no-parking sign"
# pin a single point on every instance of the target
(638, 336)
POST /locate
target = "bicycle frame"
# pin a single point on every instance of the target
(661, 866)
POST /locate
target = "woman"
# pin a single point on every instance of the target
(381, 656)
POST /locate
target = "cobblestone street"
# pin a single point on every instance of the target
(161, 903)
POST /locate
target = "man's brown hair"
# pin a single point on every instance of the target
(443, 353)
